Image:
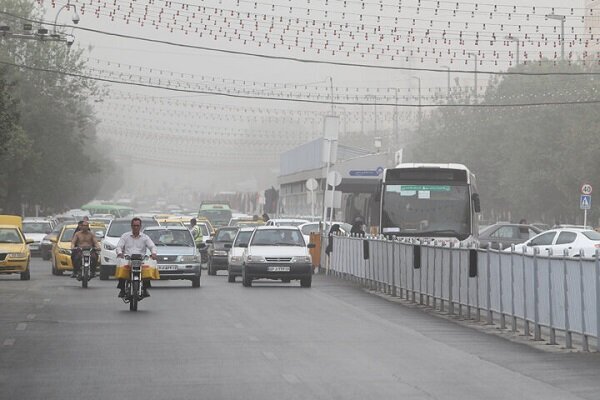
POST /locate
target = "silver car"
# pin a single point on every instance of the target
(178, 257)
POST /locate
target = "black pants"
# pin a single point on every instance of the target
(145, 284)
(77, 258)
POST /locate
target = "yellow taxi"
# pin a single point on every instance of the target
(173, 221)
(61, 247)
(14, 248)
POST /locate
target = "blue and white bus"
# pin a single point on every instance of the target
(429, 201)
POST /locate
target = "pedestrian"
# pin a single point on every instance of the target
(265, 217)
(196, 232)
(335, 230)
(357, 227)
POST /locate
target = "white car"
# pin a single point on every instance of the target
(277, 252)
(36, 229)
(234, 265)
(313, 227)
(558, 240)
(286, 222)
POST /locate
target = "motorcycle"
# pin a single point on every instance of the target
(131, 271)
(84, 274)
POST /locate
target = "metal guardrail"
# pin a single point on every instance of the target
(538, 294)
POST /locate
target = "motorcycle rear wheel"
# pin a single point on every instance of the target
(133, 301)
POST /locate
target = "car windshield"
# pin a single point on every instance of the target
(225, 235)
(37, 227)
(10, 235)
(242, 238)
(171, 237)
(278, 237)
(592, 235)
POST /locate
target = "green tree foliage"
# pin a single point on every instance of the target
(530, 161)
(54, 131)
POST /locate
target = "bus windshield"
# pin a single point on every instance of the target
(426, 210)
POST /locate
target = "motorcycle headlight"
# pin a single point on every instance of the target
(65, 251)
(109, 246)
(220, 253)
(17, 255)
(188, 258)
(301, 259)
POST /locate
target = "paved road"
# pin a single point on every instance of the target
(271, 341)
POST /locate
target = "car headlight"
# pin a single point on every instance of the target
(301, 259)
(65, 251)
(251, 258)
(109, 246)
(46, 241)
(220, 253)
(188, 258)
(17, 255)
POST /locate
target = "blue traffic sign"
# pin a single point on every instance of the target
(586, 202)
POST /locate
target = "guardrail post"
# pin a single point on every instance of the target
(490, 315)
(478, 310)
(468, 294)
(432, 267)
(537, 331)
(568, 334)
(513, 322)
(451, 281)
(394, 257)
(550, 308)
(526, 321)
(597, 286)
(585, 342)
(501, 289)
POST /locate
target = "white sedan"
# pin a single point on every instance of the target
(558, 240)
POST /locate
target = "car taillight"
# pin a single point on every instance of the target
(597, 245)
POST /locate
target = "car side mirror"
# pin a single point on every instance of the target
(54, 240)
(243, 245)
(311, 245)
(227, 245)
(476, 202)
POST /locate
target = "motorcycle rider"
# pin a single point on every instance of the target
(84, 239)
(135, 242)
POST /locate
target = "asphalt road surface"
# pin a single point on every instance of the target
(271, 341)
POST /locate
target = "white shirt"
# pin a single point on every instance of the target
(129, 244)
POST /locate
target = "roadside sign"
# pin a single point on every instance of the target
(585, 203)
(312, 184)
(586, 188)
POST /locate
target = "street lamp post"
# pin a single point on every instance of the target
(420, 104)
(518, 42)
(75, 17)
(562, 19)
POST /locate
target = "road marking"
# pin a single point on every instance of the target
(46, 300)
(253, 338)
(239, 326)
(31, 316)
(269, 355)
(8, 342)
(21, 326)
(39, 306)
(290, 378)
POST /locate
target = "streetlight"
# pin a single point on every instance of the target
(75, 17)
(562, 19)
(517, 41)
(475, 55)
(420, 108)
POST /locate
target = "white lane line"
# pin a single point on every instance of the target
(239, 326)
(290, 378)
(46, 300)
(21, 326)
(40, 306)
(31, 316)
(8, 342)
(269, 355)
(253, 338)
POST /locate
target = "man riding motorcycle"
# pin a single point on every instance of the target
(135, 242)
(84, 239)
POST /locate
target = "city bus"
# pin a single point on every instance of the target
(429, 201)
(217, 212)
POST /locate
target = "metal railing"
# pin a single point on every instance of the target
(539, 295)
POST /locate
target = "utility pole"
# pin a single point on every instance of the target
(420, 104)
(476, 89)
(518, 42)
(562, 19)
(447, 81)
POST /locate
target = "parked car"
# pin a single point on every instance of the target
(177, 256)
(505, 234)
(236, 250)
(217, 252)
(558, 240)
(35, 229)
(277, 253)
(108, 254)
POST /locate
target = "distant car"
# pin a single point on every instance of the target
(505, 234)
(277, 252)
(35, 229)
(217, 252)
(558, 240)
(47, 241)
(234, 265)
(286, 222)
(108, 254)
(541, 226)
(177, 256)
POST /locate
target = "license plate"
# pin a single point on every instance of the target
(34, 246)
(278, 269)
(167, 267)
